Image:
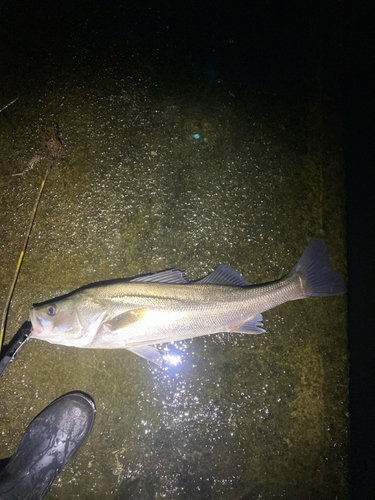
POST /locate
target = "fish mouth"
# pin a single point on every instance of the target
(37, 324)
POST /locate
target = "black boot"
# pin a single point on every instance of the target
(48, 444)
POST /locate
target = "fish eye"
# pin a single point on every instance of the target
(52, 310)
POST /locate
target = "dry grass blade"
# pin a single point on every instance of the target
(9, 104)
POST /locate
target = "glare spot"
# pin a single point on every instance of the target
(172, 359)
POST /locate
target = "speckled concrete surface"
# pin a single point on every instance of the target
(133, 191)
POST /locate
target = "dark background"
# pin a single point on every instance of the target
(268, 46)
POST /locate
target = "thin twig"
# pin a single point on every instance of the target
(7, 106)
(20, 260)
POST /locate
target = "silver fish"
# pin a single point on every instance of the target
(137, 313)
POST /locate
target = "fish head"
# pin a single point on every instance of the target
(69, 321)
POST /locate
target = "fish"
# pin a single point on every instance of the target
(140, 312)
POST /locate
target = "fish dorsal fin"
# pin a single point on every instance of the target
(225, 275)
(171, 276)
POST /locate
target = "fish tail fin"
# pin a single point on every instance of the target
(319, 278)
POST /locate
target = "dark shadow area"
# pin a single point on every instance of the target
(360, 153)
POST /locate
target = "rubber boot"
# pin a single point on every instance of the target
(48, 444)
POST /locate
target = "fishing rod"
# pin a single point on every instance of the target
(24, 332)
(7, 355)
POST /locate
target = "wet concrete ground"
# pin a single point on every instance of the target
(133, 191)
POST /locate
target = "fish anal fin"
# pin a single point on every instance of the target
(253, 325)
(125, 319)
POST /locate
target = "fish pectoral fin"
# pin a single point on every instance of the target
(149, 353)
(125, 319)
(252, 325)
